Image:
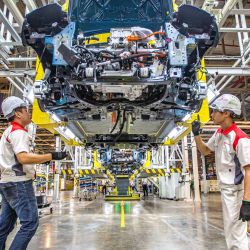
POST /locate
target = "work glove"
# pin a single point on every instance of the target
(245, 211)
(59, 155)
(196, 128)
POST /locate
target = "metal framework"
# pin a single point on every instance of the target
(227, 65)
(12, 17)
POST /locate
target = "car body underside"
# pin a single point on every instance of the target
(123, 71)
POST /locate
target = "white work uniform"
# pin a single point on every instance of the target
(232, 154)
(15, 139)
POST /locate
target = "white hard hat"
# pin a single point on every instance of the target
(10, 104)
(227, 102)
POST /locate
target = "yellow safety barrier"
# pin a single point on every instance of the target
(80, 172)
(175, 170)
(154, 171)
(91, 172)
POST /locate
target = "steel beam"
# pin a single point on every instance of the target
(20, 82)
(11, 4)
(76, 166)
(243, 21)
(245, 12)
(221, 58)
(237, 90)
(228, 71)
(7, 43)
(229, 5)
(223, 79)
(15, 84)
(197, 197)
(247, 60)
(204, 173)
(3, 54)
(186, 166)
(57, 175)
(17, 72)
(30, 4)
(234, 30)
(239, 34)
(21, 59)
(9, 27)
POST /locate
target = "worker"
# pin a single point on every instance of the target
(145, 188)
(232, 156)
(104, 188)
(16, 175)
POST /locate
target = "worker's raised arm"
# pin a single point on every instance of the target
(30, 158)
(203, 148)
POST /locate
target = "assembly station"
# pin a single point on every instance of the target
(140, 113)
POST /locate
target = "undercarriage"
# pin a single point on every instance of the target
(146, 73)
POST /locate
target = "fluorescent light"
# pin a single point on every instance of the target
(186, 117)
(55, 118)
(67, 133)
(176, 131)
(63, 130)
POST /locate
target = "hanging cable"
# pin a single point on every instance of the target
(121, 127)
(116, 122)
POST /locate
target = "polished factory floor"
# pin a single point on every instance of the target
(151, 224)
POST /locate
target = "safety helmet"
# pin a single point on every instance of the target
(227, 102)
(10, 104)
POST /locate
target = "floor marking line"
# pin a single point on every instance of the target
(122, 214)
(186, 239)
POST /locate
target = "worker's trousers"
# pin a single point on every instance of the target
(235, 230)
(18, 201)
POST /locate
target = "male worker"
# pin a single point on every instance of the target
(145, 188)
(17, 172)
(232, 156)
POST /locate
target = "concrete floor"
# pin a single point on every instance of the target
(152, 224)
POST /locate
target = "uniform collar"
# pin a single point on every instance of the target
(16, 124)
(228, 130)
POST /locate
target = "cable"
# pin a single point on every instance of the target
(137, 38)
(116, 122)
(121, 127)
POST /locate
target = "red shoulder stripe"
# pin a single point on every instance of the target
(15, 126)
(239, 134)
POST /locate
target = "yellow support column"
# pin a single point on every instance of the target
(42, 119)
(97, 164)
